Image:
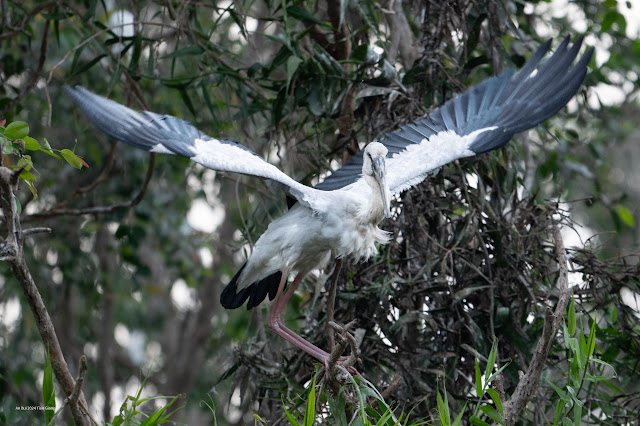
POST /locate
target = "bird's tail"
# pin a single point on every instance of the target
(231, 298)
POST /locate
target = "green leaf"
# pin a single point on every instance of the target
(16, 130)
(10, 148)
(292, 65)
(302, 14)
(559, 409)
(27, 175)
(577, 414)
(496, 400)
(478, 379)
(498, 371)
(458, 419)
(491, 361)
(595, 379)
(371, 412)
(591, 342)
(30, 143)
(492, 413)
(71, 158)
(575, 369)
(156, 418)
(339, 414)
(582, 357)
(48, 392)
(599, 361)
(135, 56)
(562, 394)
(443, 410)
(476, 421)
(33, 190)
(291, 419)
(88, 65)
(310, 413)
(315, 101)
(613, 313)
(18, 205)
(25, 160)
(48, 150)
(571, 318)
(623, 213)
(192, 50)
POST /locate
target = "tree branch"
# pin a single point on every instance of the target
(11, 250)
(72, 400)
(331, 300)
(38, 230)
(528, 385)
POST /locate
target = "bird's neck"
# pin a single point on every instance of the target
(373, 212)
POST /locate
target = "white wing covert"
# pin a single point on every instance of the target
(166, 134)
(481, 119)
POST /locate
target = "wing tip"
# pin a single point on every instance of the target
(255, 293)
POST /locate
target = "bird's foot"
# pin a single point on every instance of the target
(336, 358)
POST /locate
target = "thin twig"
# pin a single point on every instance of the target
(99, 209)
(331, 300)
(97, 181)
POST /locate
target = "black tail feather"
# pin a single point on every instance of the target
(231, 298)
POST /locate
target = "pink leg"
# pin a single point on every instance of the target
(276, 324)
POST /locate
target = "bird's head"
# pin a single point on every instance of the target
(374, 172)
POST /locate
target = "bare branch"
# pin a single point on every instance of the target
(38, 230)
(72, 400)
(395, 384)
(331, 300)
(528, 385)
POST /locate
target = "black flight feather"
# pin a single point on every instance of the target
(231, 298)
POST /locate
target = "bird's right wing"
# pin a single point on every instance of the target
(481, 119)
(166, 134)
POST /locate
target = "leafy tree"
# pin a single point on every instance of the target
(131, 285)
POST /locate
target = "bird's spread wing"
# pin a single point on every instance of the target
(170, 135)
(481, 119)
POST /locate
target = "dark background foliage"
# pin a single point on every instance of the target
(306, 84)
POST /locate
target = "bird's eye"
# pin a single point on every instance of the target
(371, 160)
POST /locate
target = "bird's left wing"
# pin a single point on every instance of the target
(166, 134)
(481, 119)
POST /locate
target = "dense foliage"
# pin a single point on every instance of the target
(131, 274)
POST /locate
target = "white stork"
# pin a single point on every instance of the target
(343, 212)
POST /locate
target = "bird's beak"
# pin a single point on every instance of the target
(379, 173)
